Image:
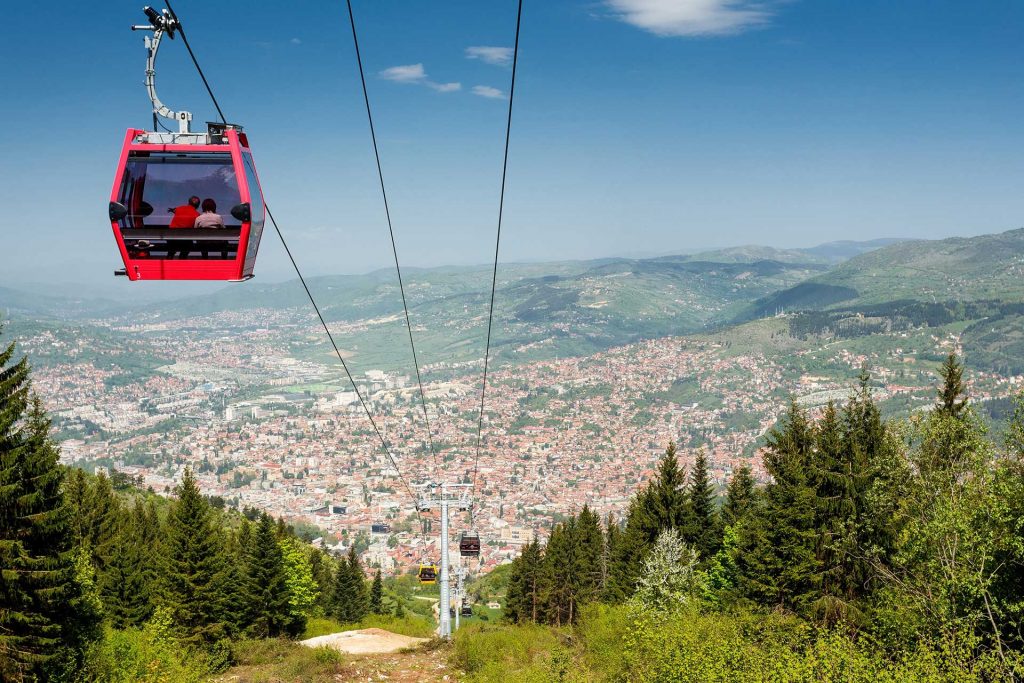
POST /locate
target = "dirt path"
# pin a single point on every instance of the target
(385, 656)
(419, 666)
(367, 641)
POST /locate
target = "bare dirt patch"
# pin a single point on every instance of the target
(367, 641)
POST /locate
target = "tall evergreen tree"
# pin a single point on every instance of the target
(267, 587)
(350, 600)
(662, 504)
(193, 567)
(102, 521)
(125, 586)
(42, 625)
(320, 565)
(232, 585)
(840, 477)
(587, 559)
(739, 496)
(146, 523)
(612, 542)
(668, 502)
(559, 576)
(76, 494)
(776, 559)
(703, 532)
(626, 548)
(377, 594)
(526, 585)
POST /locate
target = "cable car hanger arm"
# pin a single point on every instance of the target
(160, 23)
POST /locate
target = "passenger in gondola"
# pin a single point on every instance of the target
(209, 218)
(184, 217)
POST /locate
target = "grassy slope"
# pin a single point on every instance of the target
(960, 269)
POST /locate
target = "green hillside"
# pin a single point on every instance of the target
(987, 267)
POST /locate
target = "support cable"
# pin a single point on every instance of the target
(195, 61)
(497, 247)
(312, 300)
(341, 358)
(391, 231)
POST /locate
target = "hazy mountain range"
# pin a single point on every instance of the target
(581, 307)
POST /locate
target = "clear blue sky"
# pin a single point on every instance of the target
(641, 126)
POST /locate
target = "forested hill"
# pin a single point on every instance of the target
(962, 269)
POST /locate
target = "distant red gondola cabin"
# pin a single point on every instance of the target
(164, 182)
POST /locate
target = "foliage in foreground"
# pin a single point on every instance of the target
(628, 643)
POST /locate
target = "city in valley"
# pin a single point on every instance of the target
(258, 406)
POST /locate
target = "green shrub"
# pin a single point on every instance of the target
(501, 653)
(711, 648)
(601, 630)
(321, 626)
(134, 655)
(279, 659)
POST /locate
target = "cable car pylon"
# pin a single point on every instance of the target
(442, 496)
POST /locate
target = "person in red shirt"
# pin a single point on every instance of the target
(184, 217)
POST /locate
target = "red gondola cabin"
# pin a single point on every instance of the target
(164, 182)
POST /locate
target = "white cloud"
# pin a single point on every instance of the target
(415, 73)
(409, 73)
(499, 56)
(691, 17)
(488, 91)
(295, 41)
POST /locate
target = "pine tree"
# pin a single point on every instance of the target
(43, 625)
(612, 543)
(558, 573)
(268, 596)
(587, 561)
(377, 594)
(350, 600)
(102, 519)
(193, 567)
(515, 597)
(321, 568)
(662, 504)
(124, 586)
(839, 476)
(952, 401)
(147, 528)
(739, 497)
(232, 585)
(362, 595)
(703, 533)
(76, 493)
(525, 595)
(776, 562)
(668, 501)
